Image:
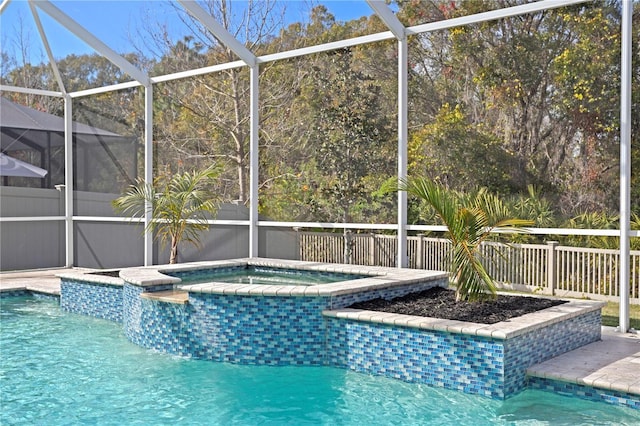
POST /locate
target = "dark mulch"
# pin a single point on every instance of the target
(438, 302)
(106, 273)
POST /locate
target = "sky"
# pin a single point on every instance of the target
(115, 22)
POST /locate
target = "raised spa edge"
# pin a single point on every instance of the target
(375, 278)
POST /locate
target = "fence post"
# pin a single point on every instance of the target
(299, 242)
(348, 248)
(372, 249)
(551, 267)
(419, 251)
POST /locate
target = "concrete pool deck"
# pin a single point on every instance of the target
(39, 281)
(611, 364)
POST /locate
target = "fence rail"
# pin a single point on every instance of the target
(545, 268)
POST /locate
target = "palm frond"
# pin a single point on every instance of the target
(179, 205)
(469, 220)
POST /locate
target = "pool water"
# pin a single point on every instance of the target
(60, 368)
(263, 276)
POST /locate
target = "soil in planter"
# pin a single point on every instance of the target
(438, 302)
(106, 273)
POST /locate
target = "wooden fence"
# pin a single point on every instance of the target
(545, 268)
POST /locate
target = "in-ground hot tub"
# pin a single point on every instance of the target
(270, 322)
(186, 310)
(261, 275)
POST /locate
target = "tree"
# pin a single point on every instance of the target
(206, 118)
(294, 130)
(544, 85)
(469, 222)
(179, 206)
(351, 135)
(460, 154)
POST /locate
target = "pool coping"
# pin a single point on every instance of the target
(92, 277)
(377, 278)
(170, 296)
(500, 331)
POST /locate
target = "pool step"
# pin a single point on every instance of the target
(613, 364)
(170, 296)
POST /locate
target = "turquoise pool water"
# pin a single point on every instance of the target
(58, 368)
(263, 276)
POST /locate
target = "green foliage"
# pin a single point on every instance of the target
(460, 154)
(598, 220)
(520, 101)
(545, 85)
(178, 205)
(350, 133)
(592, 221)
(534, 207)
(469, 221)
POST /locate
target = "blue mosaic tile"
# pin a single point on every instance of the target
(14, 293)
(454, 361)
(292, 331)
(540, 345)
(344, 300)
(94, 299)
(261, 329)
(237, 329)
(585, 392)
(472, 364)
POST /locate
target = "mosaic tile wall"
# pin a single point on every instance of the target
(585, 392)
(155, 325)
(93, 299)
(342, 301)
(240, 329)
(14, 293)
(454, 361)
(540, 345)
(131, 303)
(471, 364)
(260, 330)
(292, 331)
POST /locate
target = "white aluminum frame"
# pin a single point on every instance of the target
(45, 42)
(148, 170)
(625, 162)
(247, 58)
(68, 180)
(4, 4)
(91, 40)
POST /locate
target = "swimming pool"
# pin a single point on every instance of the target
(63, 368)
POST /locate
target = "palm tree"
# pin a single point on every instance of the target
(179, 206)
(469, 221)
